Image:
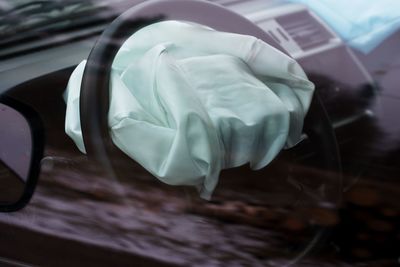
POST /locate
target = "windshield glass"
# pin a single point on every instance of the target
(28, 25)
(22, 16)
(330, 199)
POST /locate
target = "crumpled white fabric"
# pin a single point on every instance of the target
(188, 101)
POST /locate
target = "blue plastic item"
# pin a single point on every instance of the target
(362, 24)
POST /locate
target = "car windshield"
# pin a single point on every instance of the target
(323, 202)
(20, 20)
(29, 25)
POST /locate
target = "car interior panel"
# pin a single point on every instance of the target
(331, 200)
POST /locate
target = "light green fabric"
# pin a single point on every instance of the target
(188, 101)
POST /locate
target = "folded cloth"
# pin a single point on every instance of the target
(362, 24)
(187, 101)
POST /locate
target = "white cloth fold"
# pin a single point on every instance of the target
(187, 101)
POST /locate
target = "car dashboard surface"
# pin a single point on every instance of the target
(80, 217)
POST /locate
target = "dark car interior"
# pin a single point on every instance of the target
(332, 200)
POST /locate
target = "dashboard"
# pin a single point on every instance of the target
(87, 217)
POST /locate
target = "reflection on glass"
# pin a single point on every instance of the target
(15, 154)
